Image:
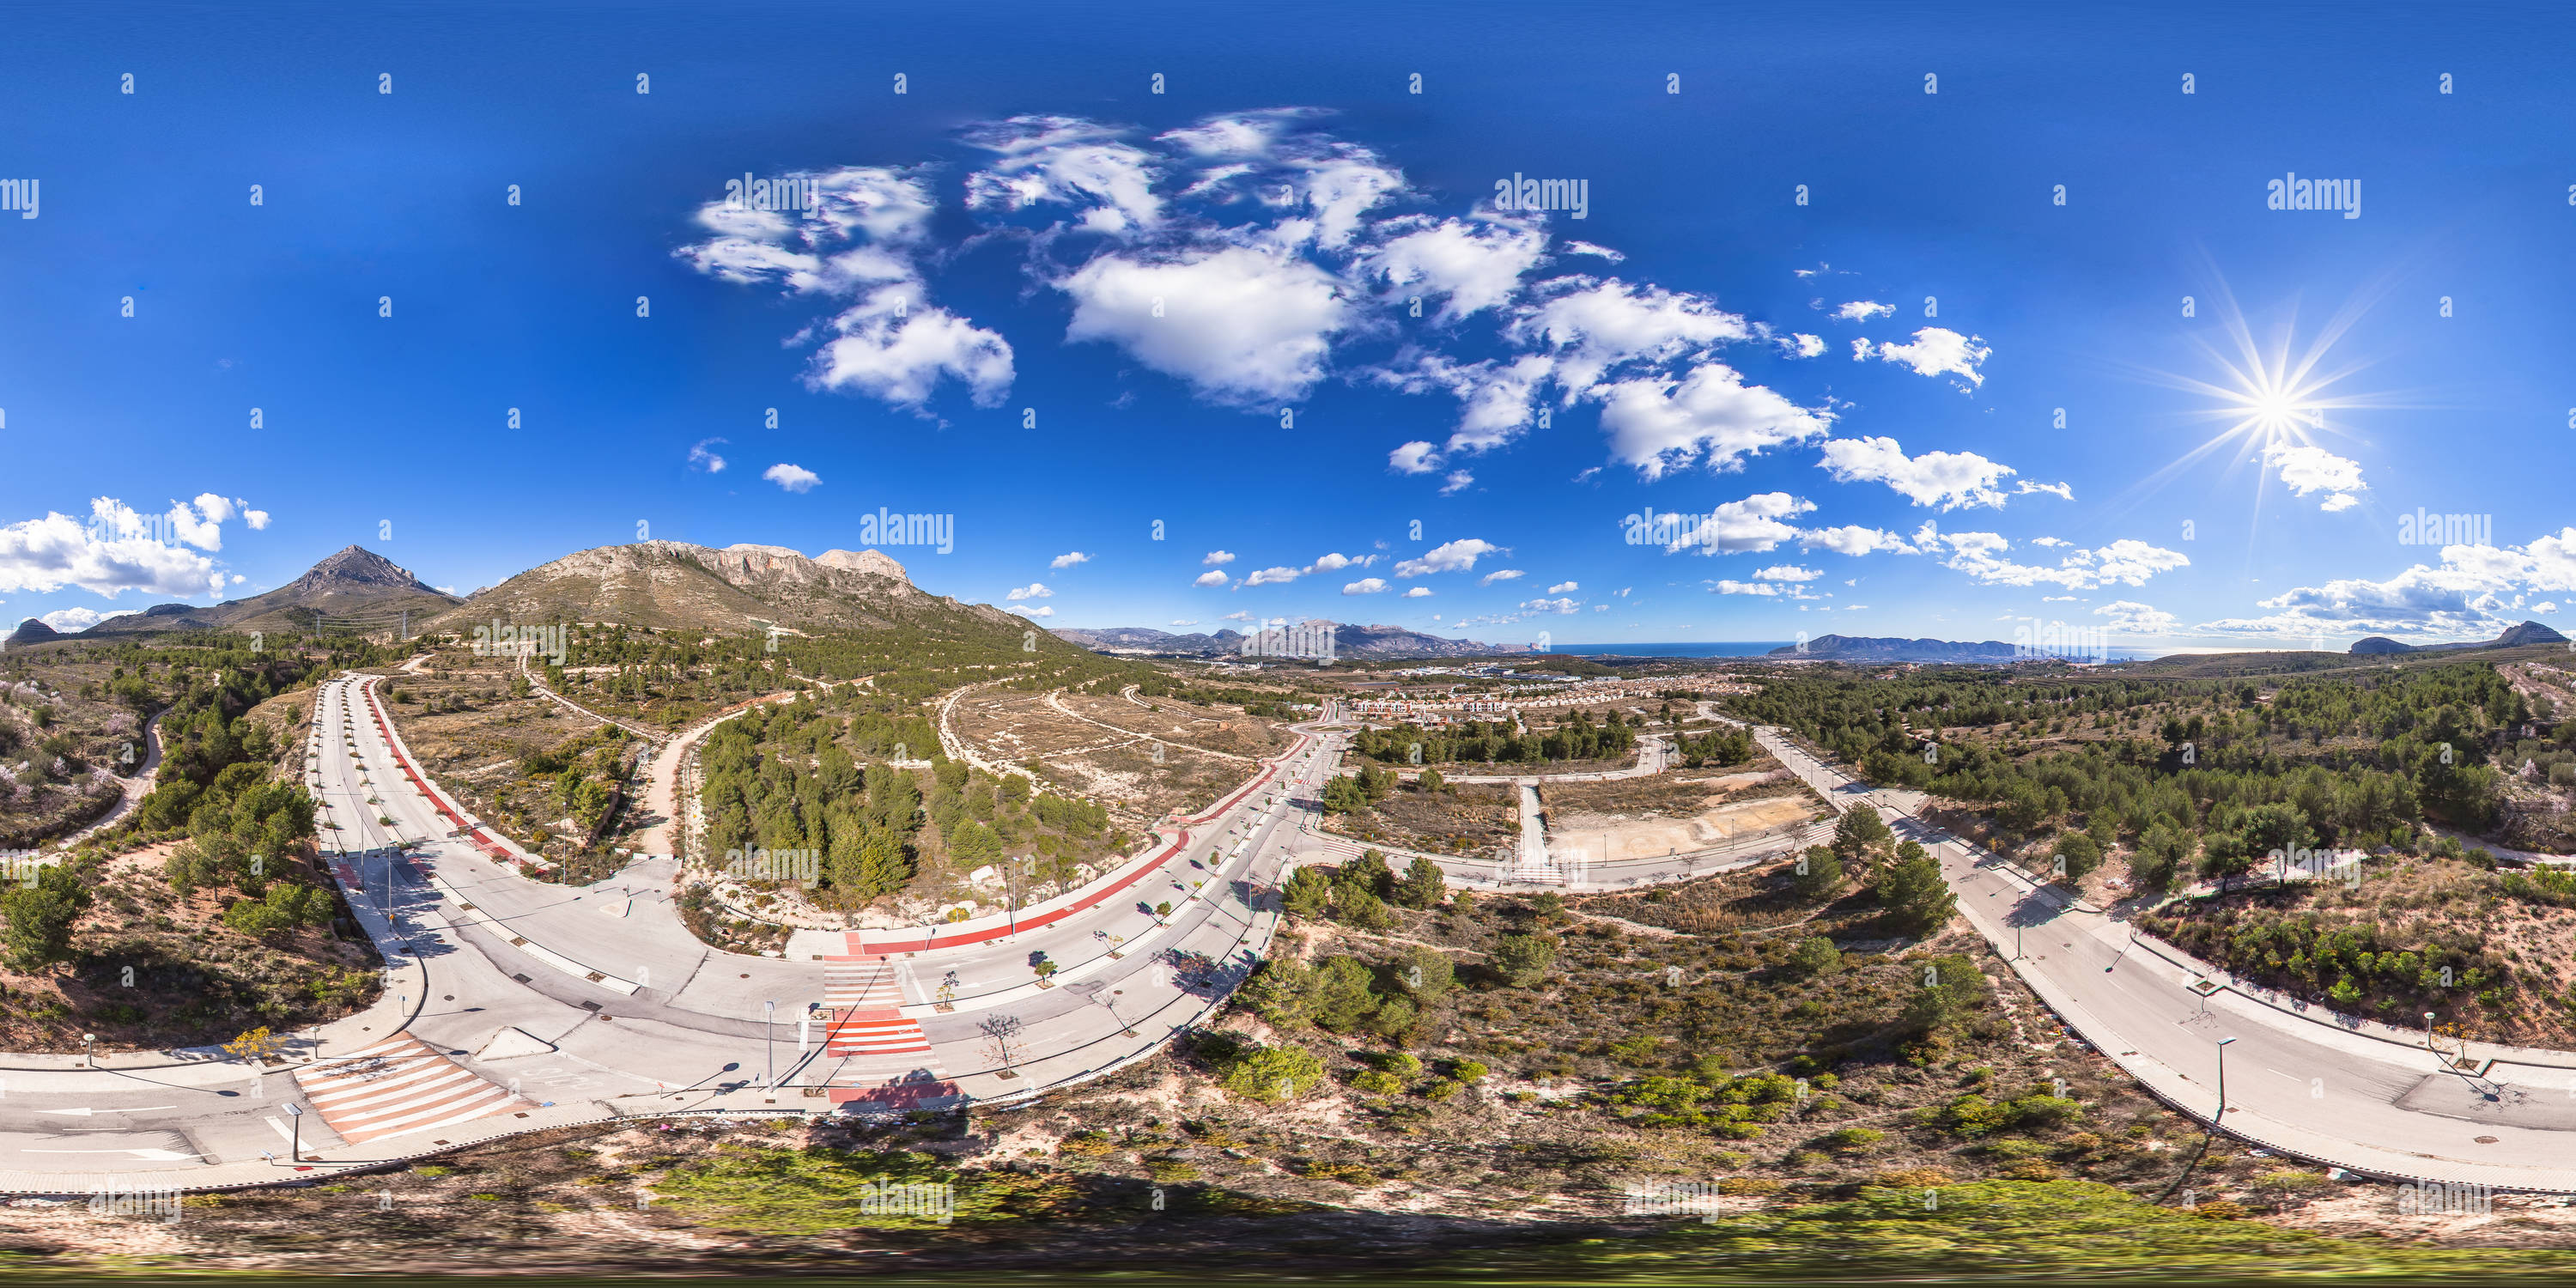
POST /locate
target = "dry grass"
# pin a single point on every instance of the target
(1119, 771)
(193, 981)
(1473, 820)
(1218, 728)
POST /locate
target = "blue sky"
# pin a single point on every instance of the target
(965, 322)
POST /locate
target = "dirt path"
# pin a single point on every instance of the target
(539, 686)
(1056, 700)
(662, 776)
(134, 788)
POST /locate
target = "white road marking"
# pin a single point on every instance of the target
(147, 1155)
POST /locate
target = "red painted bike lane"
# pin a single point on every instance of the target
(921, 942)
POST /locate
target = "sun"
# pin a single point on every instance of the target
(2267, 397)
(2274, 411)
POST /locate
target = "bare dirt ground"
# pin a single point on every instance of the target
(192, 982)
(1119, 771)
(2538, 820)
(1676, 811)
(1218, 728)
(2419, 905)
(1611, 837)
(60, 740)
(1472, 820)
(459, 720)
(1161, 1163)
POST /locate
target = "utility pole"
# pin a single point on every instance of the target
(2221, 1120)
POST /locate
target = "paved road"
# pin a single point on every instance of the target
(1653, 752)
(515, 1005)
(2300, 1080)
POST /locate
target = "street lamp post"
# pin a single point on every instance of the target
(295, 1133)
(2221, 1120)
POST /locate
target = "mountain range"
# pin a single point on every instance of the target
(675, 585)
(353, 588)
(1889, 648)
(2527, 633)
(661, 584)
(1348, 641)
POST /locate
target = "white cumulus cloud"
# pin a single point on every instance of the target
(1940, 351)
(2307, 470)
(861, 240)
(1455, 556)
(794, 478)
(2130, 617)
(1239, 323)
(1758, 523)
(1854, 539)
(72, 621)
(1948, 480)
(1709, 416)
(117, 550)
(1413, 458)
(1474, 266)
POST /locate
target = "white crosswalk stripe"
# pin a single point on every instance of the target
(398, 1086)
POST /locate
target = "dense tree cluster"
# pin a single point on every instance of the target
(2354, 965)
(1717, 747)
(2326, 760)
(1351, 793)
(784, 778)
(1498, 742)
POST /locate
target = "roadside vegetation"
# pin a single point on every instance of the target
(2194, 798)
(807, 777)
(202, 912)
(1119, 1182)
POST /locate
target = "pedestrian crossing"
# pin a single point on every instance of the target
(865, 998)
(873, 1056)
(396, 1087)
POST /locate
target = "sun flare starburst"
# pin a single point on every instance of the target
(2271, 399)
